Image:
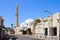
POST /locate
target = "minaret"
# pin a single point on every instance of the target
(16, 15)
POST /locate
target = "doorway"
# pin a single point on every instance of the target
(54, 31)
(29, 31)
(46, 31)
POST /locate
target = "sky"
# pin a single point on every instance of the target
(27, 9)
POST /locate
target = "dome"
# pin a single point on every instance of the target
(23, 25)
(29, 21)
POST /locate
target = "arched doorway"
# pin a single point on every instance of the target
(38, 20)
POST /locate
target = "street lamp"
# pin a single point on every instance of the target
(51, 21)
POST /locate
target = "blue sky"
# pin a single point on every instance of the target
(27, 9)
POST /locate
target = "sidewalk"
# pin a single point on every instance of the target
(30, 36)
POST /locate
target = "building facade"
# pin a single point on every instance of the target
(25, 27)
(45, 28)
(49, 28)
(2, 28)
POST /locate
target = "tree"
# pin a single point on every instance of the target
(10, 30)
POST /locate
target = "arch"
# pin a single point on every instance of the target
(38, 20)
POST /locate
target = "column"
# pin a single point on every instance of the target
(48, 31)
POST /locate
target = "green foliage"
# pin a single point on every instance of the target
(9, 29)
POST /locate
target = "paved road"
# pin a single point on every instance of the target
(20, 37)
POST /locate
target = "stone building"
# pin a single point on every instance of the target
(2, 28)
(47, 28)
(27, 26)
(24, 28)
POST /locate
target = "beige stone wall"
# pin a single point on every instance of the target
(55, 24)
(17, 31)
(47, 24)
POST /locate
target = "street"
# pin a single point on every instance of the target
(20, 37)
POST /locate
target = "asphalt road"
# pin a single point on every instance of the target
(20, 37)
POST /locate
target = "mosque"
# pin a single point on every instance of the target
(46, 28)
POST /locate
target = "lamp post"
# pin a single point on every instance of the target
(51, 21)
